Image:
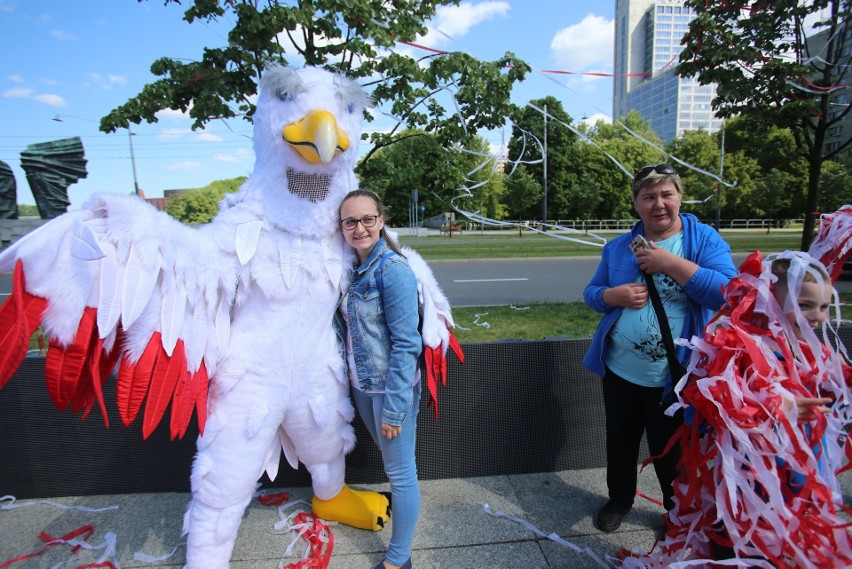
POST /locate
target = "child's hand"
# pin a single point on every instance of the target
(809, 407)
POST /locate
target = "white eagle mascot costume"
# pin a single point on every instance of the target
(231, 320)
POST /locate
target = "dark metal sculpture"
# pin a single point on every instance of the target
(51, 167)
(8, 193)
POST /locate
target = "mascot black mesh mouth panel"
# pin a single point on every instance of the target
(312, 187)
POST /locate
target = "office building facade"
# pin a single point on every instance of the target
(647, 47)
(839, 99)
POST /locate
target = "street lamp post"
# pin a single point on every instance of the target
(721, 177)
(544, 157)
(132, 160)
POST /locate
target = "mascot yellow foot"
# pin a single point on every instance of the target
(356, 508)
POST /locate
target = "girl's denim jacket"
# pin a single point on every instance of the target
(386, 342)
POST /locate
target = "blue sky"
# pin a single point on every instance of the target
(67, 64)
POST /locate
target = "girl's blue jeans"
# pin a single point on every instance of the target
(400, 468)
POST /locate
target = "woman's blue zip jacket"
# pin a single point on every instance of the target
(383, 325)
(701, 244)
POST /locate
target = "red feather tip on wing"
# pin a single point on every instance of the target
(457, 350)
(431, 380)
(88, 386)
(167, 372)
(436, 368)
(64, 365)
(20, 315)
(190, 393)
(135, 379)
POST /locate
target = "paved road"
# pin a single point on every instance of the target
(492, 282)
(517, 281)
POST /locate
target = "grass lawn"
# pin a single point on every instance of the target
(472, 245)
(537, 321)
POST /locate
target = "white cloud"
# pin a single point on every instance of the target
(230, 158)
(208, 137)
(15, 78)
(592, 120)
(50, 99)
(62, 36)
(106, 82)
(293, 44)
(586, 45)
(456, 21)
(174, 133)
(186, 166)
(18, 93)
(28, 93)
(241, 155)
(171, 114)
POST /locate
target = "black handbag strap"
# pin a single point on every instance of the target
(675, 366)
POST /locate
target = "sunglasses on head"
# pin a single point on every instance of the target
(659, 169)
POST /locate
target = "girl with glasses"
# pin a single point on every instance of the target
(378, 320)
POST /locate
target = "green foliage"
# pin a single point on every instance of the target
(597, 171)
(27, 210)
(564, 195)
(772, 145)
(415, 160)
(523, 194)
(201, 205)
(702, 150)
(761, 61)
(343, 35)
(835, 186)
(737, 202)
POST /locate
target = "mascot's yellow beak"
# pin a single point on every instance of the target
(316, 137)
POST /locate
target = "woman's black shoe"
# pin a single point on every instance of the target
(609, 517)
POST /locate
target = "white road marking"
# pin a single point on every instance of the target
(486, 280)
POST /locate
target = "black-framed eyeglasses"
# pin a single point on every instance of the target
(351, 223)
(659, 169)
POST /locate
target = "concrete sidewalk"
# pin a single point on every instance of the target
(454, 530)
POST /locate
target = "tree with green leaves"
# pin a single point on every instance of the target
(354, 37)
(836, 186)
(597, 171)
(416, 161)
(523, 194)
(528, 144)
(765, 66)
(201, 205)
(701, 149)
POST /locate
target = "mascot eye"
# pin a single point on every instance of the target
(284, 95)
(351, 108)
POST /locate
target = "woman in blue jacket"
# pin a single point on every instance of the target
(383, 345)
(690, 264)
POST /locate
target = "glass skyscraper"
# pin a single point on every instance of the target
(647, 46)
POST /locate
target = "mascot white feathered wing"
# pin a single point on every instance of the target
(246, 301)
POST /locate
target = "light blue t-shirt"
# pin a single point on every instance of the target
(636, 351)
